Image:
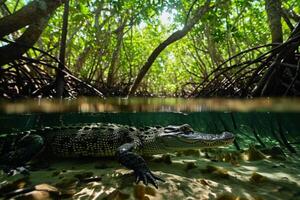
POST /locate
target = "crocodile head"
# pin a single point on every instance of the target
(177, 138)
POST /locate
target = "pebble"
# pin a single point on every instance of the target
(190, 165)
(116, 195)
(257, 178)
(139, 191)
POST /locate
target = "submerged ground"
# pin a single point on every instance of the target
(214, 174)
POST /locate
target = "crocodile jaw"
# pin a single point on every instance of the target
(194, 140)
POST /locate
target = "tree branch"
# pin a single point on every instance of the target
(13, 51)
(177, 35)
(28, 15)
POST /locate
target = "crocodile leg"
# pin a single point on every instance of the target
(133, 161)
(22, 152)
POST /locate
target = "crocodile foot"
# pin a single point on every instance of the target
(146, 176)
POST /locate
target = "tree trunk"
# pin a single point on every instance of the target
(273, 9)
(13, 51)
(82, 58)
(116, 55)
(177, 35)
(29, 14)
(212, 48)
(35, 15)
(271, 82)
(60, 80)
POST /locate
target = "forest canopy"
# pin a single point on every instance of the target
(142, 47)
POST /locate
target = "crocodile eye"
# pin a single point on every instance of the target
(186, 128)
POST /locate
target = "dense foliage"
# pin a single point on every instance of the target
(109, 41)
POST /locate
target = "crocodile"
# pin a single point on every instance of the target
(128, 144)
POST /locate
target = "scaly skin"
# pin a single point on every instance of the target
(126, 143)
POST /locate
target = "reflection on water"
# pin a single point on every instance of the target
(150, 105)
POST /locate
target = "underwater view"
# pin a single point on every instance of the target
(150, 99)
(174, 148)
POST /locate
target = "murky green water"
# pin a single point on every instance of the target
(234, 172)
(260, 121)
